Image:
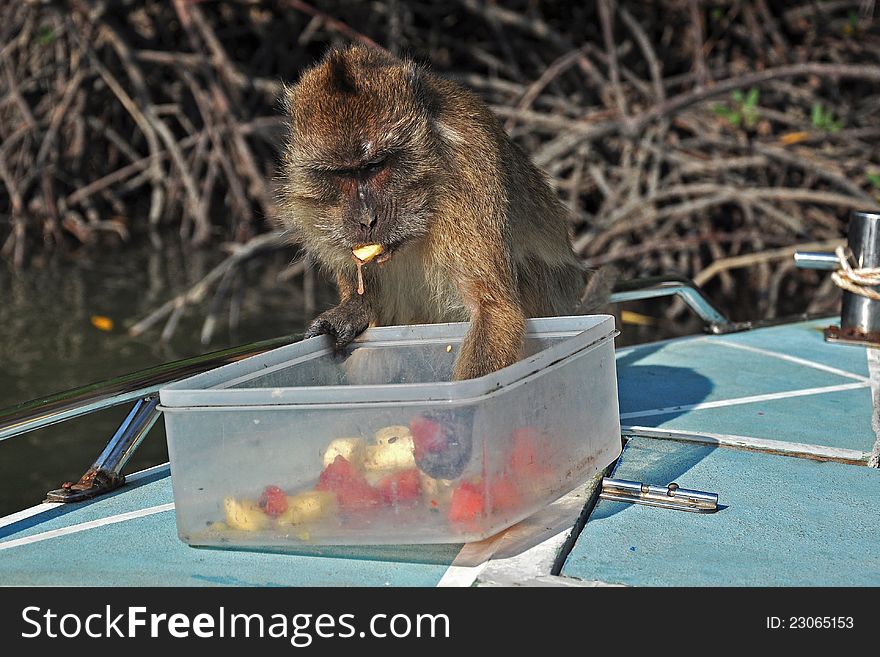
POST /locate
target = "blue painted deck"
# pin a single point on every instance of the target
(145, 551)
(786, 521)
(715, 373)
(802, 391)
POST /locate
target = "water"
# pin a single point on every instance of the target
(49, 343)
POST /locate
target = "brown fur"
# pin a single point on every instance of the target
(381, 150)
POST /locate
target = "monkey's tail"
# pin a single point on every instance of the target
(598, 289)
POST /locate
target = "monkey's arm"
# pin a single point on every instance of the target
(495, 337)
(348, 319)
(494, 340)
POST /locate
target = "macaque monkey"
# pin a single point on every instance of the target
(460, 224)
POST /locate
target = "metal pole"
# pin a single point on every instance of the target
(127, 388)
(860, 315)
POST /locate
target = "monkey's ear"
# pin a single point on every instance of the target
(340, 76)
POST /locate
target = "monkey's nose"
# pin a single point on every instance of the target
(368, 221)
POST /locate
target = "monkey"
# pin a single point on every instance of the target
(382, 151)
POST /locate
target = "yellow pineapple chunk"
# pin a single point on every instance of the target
(244, 514)
(351, 449)
(307, 507)
(367, 252)
(393, 450)
(391, 434)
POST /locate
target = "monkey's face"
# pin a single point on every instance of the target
(362, 163)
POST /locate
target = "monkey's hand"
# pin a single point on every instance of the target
(342, 323)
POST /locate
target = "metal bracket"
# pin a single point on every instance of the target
(685, 289)
(669, 497)
(91, 484)
(106, 473)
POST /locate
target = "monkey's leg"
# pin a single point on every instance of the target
(494, 340)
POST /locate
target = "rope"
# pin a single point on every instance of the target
(857, 281)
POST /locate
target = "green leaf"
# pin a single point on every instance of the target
(752, 99)
(817, 115)
(738, 96)
(874, 179)
(45, 36)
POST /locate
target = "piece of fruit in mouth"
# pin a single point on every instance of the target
(363, 255)
(367, 252)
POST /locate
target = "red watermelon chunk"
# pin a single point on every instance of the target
(273, 501)
(403, 487)
(353, 492)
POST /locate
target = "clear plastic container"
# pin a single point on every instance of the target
(379, 446)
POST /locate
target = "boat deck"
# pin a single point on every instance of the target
(776, 421)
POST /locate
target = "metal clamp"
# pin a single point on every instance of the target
(669, 497)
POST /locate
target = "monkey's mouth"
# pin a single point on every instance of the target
(367, 253)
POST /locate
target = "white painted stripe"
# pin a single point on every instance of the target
(731, 440)
(461, 576)
(27, 513)
(47, 506)
(537, 560)
(470, 561)
(874, 371)
(745, 400)
(85, 526)
(526, 550)
(140, 474)
(792, 359)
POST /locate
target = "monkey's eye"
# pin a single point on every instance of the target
(343, 173)
(375, 166)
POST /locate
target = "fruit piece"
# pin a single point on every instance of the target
(403, 487)
(308, 507)
(338, 472)
(351, 488)
(503, 494)
(393, 450)
(436, 492)
(244, 514)
(350, 448)
(467, 505)
(442, 442)
(390, 435)
(273, 501)
(367, 252)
